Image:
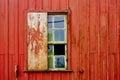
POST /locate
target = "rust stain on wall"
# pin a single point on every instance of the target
(37, 40)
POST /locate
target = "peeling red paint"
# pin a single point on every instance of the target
(37, 41)
(35, 38)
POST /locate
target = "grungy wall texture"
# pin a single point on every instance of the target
(93, 39)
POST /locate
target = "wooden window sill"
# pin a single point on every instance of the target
(29, 71)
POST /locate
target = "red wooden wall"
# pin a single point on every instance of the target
(94, 39)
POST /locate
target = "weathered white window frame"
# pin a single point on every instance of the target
(59, 42)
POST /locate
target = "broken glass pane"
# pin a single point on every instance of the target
(59, 62)
(50, 62)
(50, 49)
(59, 35)
(59, 22)
(59, 49)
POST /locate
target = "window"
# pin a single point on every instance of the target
(57, 42)
(46, 41)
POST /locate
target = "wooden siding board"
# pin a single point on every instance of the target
(31, 4)
(112, 39)
(55, 4)
(63, 4)
(2, 18)
(94, 24)
(21, 35)
(30, 76)
(11, 37)
(21, 29)
(112, 26)
(21, 67)
(107, 66)
(11, 26)
(39, 76)
(2, 60)
(6, 30)
(11, 67)
(16, 39)
(79, 25)
(74, 38)
(84, 38)
(103, 38)
(39, 4)
(65, 76)
(111, 67)
(46, 4)
(118, 47)
(77, 36)
(54, 76)
(46, 76)
(91, 67)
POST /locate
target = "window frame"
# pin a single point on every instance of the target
(68, 13)
(59, 42)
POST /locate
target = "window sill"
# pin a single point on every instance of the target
(29, 71)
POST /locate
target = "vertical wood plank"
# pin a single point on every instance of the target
(117, 43)
(80, 49)
(2, 72)
(64, 76)
(84, 38)
(21, 67)
(31, 4)
(2, 40)
(39, 76)
(39, 4)
(12, 16)
(11, 27)
(93, 26)
(74, 38)
(63, 4)
(47, 4)
(16, 39)
(112, 26)
(94, 19)
(103, 38)
(46, 76)
(118, 39)
(112, 39)
(11, 66)
(111, 67)
(55, 5)
(6, 30)
(21, 35)
(22, 25)
(2, 26)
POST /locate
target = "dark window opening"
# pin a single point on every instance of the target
(59, 49)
